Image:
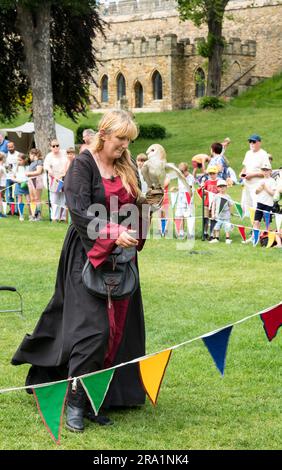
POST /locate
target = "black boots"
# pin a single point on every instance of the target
(75, 408)
(78, 408)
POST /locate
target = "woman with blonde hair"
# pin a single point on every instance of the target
(78, 332)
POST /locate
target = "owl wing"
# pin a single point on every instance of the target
(174, 172)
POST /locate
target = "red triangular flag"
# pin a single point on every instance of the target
(242, 231)
(272, 320)
(188, 197)
(178, 225)
(200, 192)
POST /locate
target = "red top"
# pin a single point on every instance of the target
(210, 186)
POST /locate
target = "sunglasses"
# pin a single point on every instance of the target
(55, 145)
(253, 141)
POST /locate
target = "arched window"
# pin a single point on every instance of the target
(104, 89)
(121, 89)
(200, 83)
(157, 86)
(236, 70)
(138, 91)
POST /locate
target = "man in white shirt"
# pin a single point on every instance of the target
(11, 165)
(251, 173)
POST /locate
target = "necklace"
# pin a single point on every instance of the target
(104, 171)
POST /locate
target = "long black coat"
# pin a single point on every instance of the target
(71, 336)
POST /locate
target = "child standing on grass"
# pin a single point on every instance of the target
(21, 180)
(209, 187)
(35, 182)
(3, 175)
(265, 192)
(221, 212)
(182, 207)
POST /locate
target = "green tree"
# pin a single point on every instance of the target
(209, 12)
(47, 47)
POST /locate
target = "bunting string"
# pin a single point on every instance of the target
(141, 358)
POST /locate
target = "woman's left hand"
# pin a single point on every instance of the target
(126, 241)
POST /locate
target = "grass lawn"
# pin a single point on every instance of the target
(185, 295)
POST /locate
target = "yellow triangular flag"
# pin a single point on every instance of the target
(252, 214)
(152, 372)
(271, 238)
(33, 208)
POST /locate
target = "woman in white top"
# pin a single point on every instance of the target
(55, 164)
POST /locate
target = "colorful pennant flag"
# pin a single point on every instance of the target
(210, 198)
(33, 208)
(60, 186)
(152, 371)
(255, 236)
(267, 219)
(96, 387)
(173, 198)
(222, 204)
(271, 239)
(200, 192)
(188, 197)
(163, 226)
(191, 226)
(12, 207)
(217, 345)
(242, 231)
(4, 206)
(50, 402)
(272, 320)
(278, 220)
(252, 214)
(21, 208)
(239, 210)
(178, 224)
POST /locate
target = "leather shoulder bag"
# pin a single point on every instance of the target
(117, 278)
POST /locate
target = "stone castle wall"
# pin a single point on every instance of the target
(147, 35)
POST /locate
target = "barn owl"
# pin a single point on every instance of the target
(156, 168)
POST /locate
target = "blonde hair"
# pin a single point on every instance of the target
(120, 123)
(183, 166)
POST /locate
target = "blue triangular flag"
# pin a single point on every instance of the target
(21, 207)
(217, 346)
(163, 222)
(267, 219)
(60, 186)
(256, 233)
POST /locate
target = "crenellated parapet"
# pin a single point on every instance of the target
(154, 45)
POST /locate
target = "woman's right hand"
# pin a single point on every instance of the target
(126, 241)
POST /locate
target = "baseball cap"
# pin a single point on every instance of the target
(221, 183)
(266, 166)
(212, 169)
(255, 137)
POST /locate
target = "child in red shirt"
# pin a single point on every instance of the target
(209, 188)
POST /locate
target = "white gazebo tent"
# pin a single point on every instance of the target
(23, 136)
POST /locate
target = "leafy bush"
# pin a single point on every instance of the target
(152, 131)
(211, 102)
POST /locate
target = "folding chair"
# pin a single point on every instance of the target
(18, 310)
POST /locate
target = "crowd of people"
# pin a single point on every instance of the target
(214, 175)
(22, 180)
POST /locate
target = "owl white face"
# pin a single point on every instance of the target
(156, 150)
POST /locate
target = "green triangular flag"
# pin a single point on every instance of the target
(50, 401)
(239, 209)
(96, 387)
